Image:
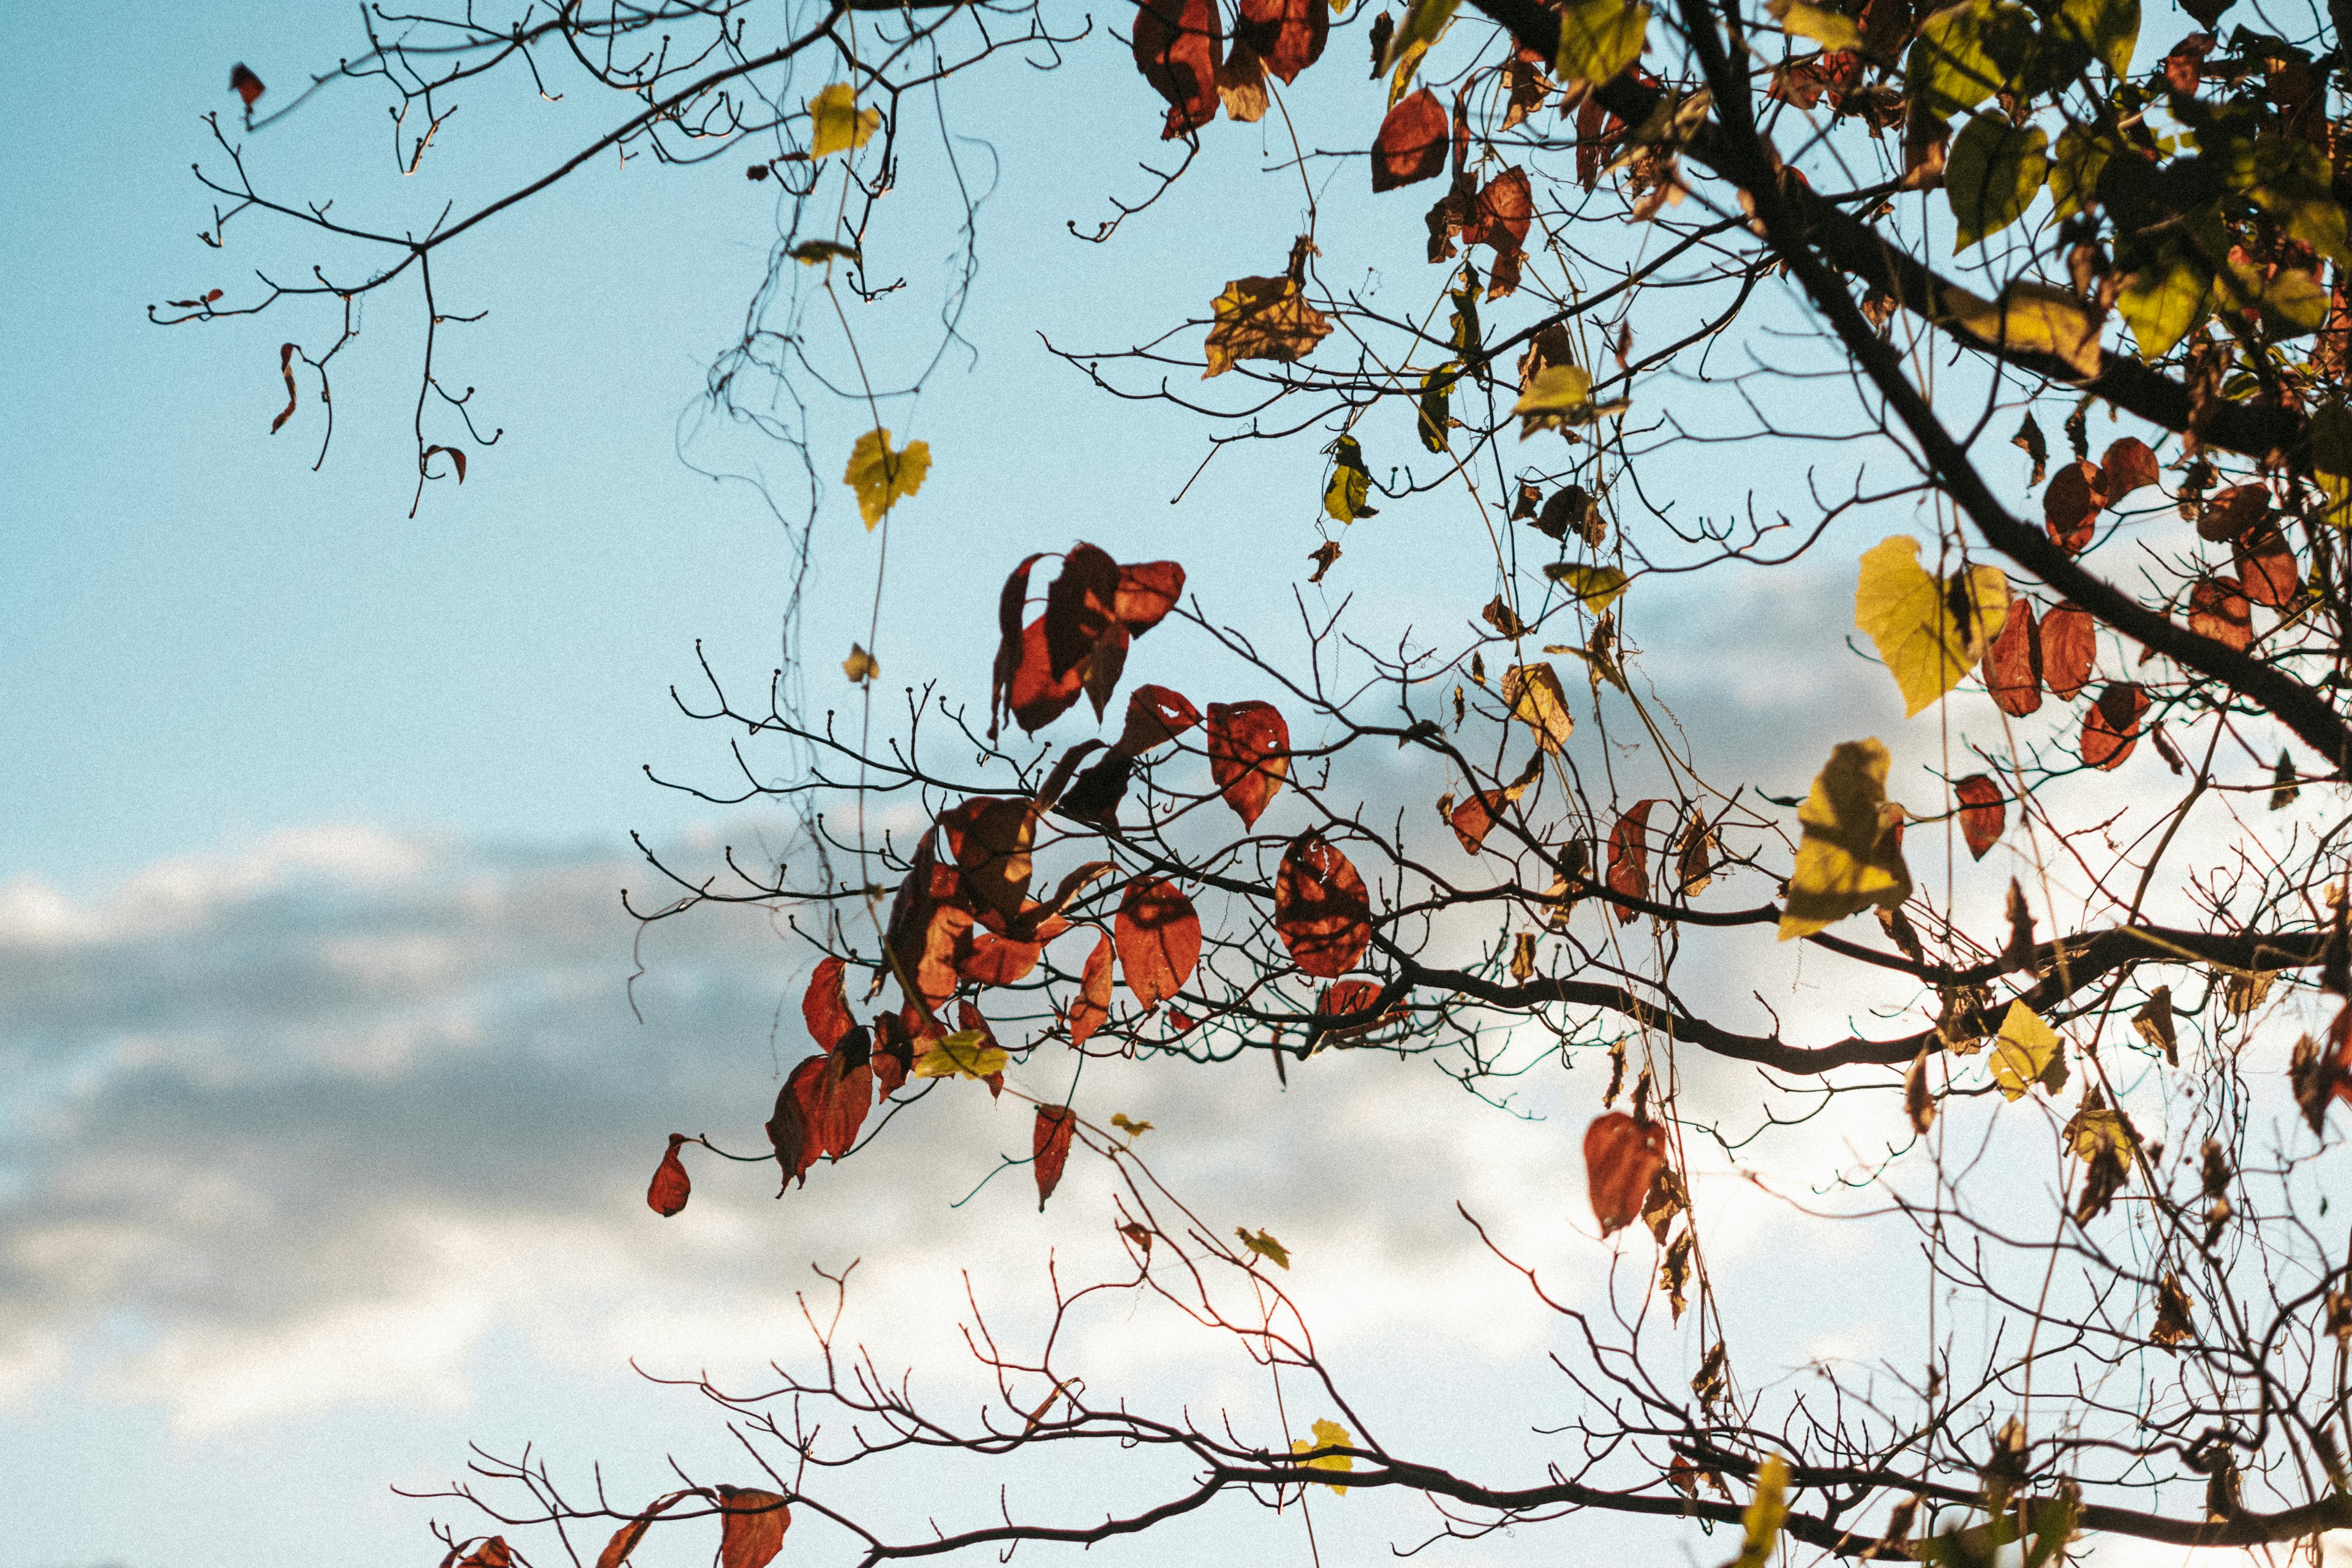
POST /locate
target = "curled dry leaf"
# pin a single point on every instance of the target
(1049, 1147)
(2013, 662)
(753, 1529)
(1262, 318)
(285, 353)
(1535, 697)
(2231, 511)
(2070, 505)
(1321, 911)
(1918, 1095)
(1179, 44)
(1983, 813)
(670, 1187)
(2111, 729)
(1155, 715)
(1476, 817)
(825, 1006)
(1159, 940)
(2218, 610)
(1327, 1435)
(1629, 858)
(245, 84)
(1091, 1009)
(1249, 746)
(626, 1539)
(2128, 465)
(1411, 143)
(1621, 1157)
(2070, 646)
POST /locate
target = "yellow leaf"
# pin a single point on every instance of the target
(1133, 1129)
(1351, 483)
(836, 123)
(817, 252)
(964, 1053)
(1327, 1435)
(1262, 318)
(1596, 585)
(883, 477)
(1533, 693)
(1851, 856)
(1930, 630)
(2108, 28)
(2162, 301)
(1991, 175)
(1831, 29)
(2028, 1052)
(2096, 1130)
(860, 666)
(1764, 1513)
(1558, 395)
(1425, 22)
(1266, 1246)
(1599, 39)
(2028, 317)
(1968, 51)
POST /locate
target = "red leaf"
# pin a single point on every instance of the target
(1594, 135)
(1079, 606)
(1010, 602)
(2111, 729)
(285, 368)
(1155, 715)
(1474, 817)
(1249, 747)
(1034, 695)
(2012, 664)
(1179, 44)
(1321, 911)
(753, 1531)
(2231, 511)
(832, 1092)
(1622, 1158)
(1505, 210)
(1288, 35)
(2070, 507)
(2266, 567)
(929, 924)
(1148, 589)
(1982, 812)
(990, 839)
(1411, 145)
(989, 959)
(893, 1053)
(1049, 1145)
(245, 84)
(2218, 610)
(2127, 466)
(455, 456)
(1346, 1007)
(2070, 646)
(670, 1187)
(1158, 939)
(1629, 858)
(1180, 1021)
(1091, 1009)
(788, 1129)
(824, 1007)
(493, 1552)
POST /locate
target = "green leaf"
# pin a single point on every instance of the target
(2330, 438)
(883, 477)
(1967, 52)
(2291, 185)
(2083, 154)
(1930, 630)
(836, 123)
(1599, 39)
(1425, 22)
(1992, 176)
(2108, 28)
(1266, 1246)
(1560, 395)
(1851, 856)
(2292, 303)
(1596, 585)
(1352, 482)
(2164, 299)
(1831, 29)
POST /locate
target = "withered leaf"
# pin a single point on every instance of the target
(2218, 610)
(1288, 35)
(1049, 1147)
(245, 84)
(1629, 858)
(1091, 1009)
(1411, 143)
(2013, 662)
(670, 1188)
(752, 1532)
(2153, 1022)
(2070, 646)
(1262, 318)
(1179, 44)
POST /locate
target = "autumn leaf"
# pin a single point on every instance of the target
(1351, 485)
(245, 84)
(1091, 1009)
(967, 1053)
(626, 1539)
(2111, 729)
(1851, 856)
(2266, 567)
(817, 252)
(1179, 45)
(1321, 911)
(1411, 143)
(1287, 35)
(2175, 1320)
(1930, 630)
(1991, 175)
(1049, 1147)
(1831, 29)
(1262, 318)
(752, 1532)
(670, 1187)
(1346, 1007)
(1599, 39)
(2013, 662)
(836, 123)
(825, 1005)
(285, 353)
(882, 478)
(2071, 505)
(1533, 694)
(2027, 1052)
(1983, 813)
(1155, 715)
(1559, 396)
(2128, 464)
(1597, 587)
(1327, 1435)
(1248, 745)
(1621, 1157)
(1629, 858)
(2070, 646)
(1159, 940)
(1475, 817)
(2030, 318)
(1760, 1521)
(2218, 610)
(860, 666)
(1127, 1124)
(1266, 1246)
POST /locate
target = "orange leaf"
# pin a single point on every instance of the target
(493, 1552)
(1505, 210)
(1155, 715)
(754, 1529)
(1288, 35)
(1346, 1007)
(2218, 610)
(1179, 45)
(2232, 511)
(1159, 940)
(1629, 858)
(1090, 1009)
(1034, 695)
(1079, 605)
(1249, 747)
(624, 1540)
(285, 368)
(1622, 1158)
(2070, 645)
(1474, 817)
(824, 1007)
(990, 838)
(2266, 567)
(1049, 1146)
(2127, 466)
(2013, 662)
(1321, 911)
(989, 959)
(670, 1187)
(1010, 643)
(1148, 589)
(247, 86)
(1982, 812)
(2070, 507)
(2111, 729)
(1411, 145)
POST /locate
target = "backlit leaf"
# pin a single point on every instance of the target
(1597, 587)
(2080, 157)
(1533, 694)
(2266, 568)
(1321, 909)
(670, 1186)
(967, 1053)
(1831, 29)
(1179, 44)
(1266, 1246)
(1629, 858)
(2070, 505)
(860, 666)
(836, 123)
(1425, 22)
(1991, 175)
(1621, 1157)
(1966, 52)
(1049, 1147)
(245, 84)
(2218, 610)
(1091, 1009)
(1851, 856)
(1558, 396)
(1983, 813)
(1249, 746)
(2128, 465)
(1262, 318)
(1287, 35)
(1930, 630)
(1159, 940)
(1155, 715)
(2028, 1052)
(2111, 729)
(2108, 28)
(1599, 39)
(1411, 143)
(2013, 662)
(2070, 646)
(1327, 1435)
(882, 478)
(1351, 485)
(2163, 300)
(2030, 318)
(753, 1529)
(1760, 1521)
(825, 1005)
